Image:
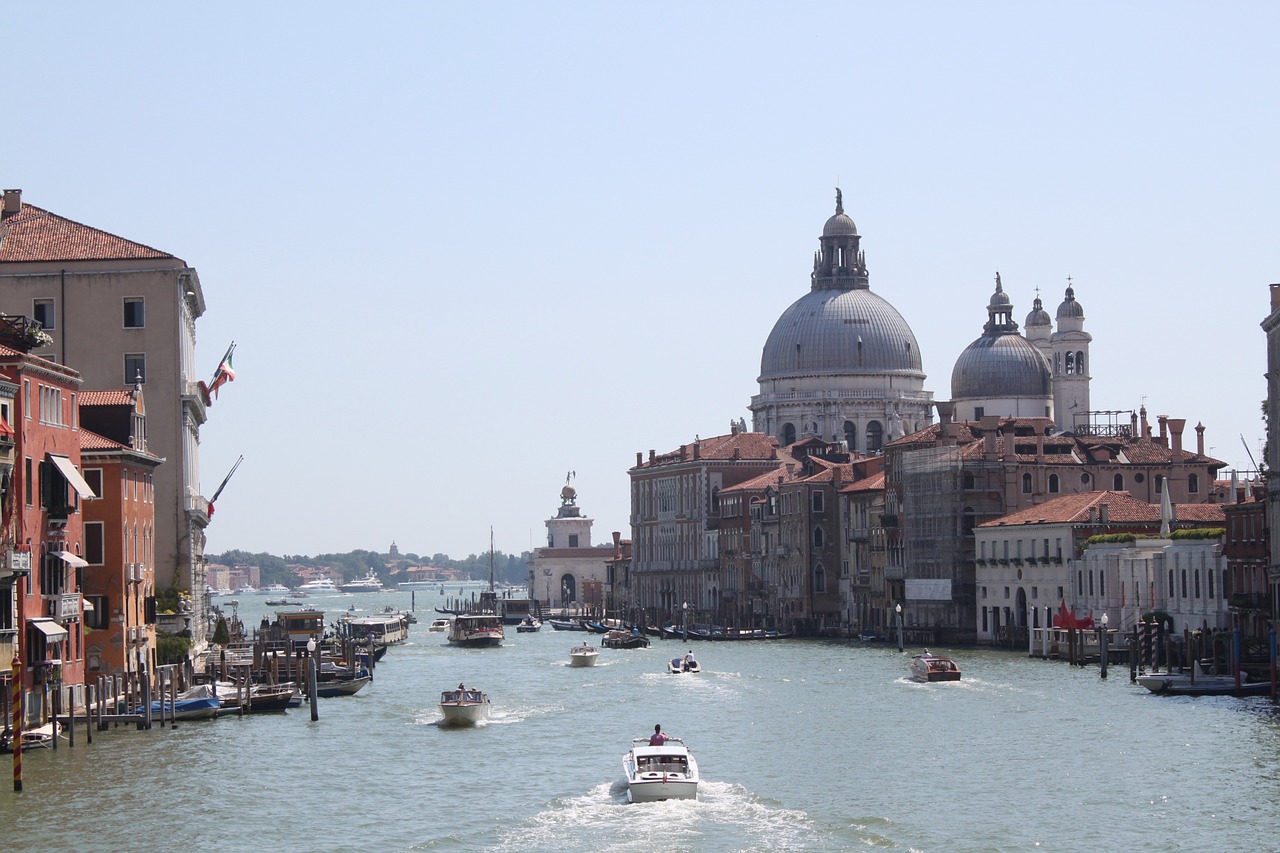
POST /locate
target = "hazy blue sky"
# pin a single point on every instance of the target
(465, 248)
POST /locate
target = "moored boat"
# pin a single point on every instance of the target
(584, 655)
(1201, 684)
(566, 625)
(198, 703)
(620, 639)
(341, 686)
(321, 586)
(666, 772)
(930, 668)
(476, 629)
(463, 707)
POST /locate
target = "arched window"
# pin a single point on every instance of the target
(1071, 363)
(788, 434)
(1193, 483)
(1080, 363)
(1117, 483)
(875, 438)
(1197, 579)
(968, 520)
(818, 538)
(851, 436)
(819, 579)
(1026, 484)
(1159, 484)
(715, 500)
(1053, 484)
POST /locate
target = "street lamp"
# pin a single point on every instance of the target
(1104, 641)
(898, 608)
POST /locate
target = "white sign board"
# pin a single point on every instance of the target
(928, 589)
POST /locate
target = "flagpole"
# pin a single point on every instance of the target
(223, 360)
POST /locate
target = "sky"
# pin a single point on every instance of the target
(464, 249)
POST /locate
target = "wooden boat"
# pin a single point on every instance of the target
(476, 629)
(261, 697)
(584, 655)
(619, 639)
(930, 668)
(463, 707)
(666, 772)
(566, 625)
(593, 627)
(199, 703)
(1200, 684)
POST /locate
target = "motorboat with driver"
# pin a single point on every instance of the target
(664, 772)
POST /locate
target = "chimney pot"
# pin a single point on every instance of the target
(12, 203)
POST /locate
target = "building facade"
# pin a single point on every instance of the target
(569, 571)
(122, 313)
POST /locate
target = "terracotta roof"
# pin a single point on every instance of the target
(106, 398)
(1122, 508)
(759, 483)
(93, 441)
(34, 234)
(749, 446)
(874, 483)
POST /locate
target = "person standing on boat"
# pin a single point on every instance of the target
(689, 662)
(659, 737)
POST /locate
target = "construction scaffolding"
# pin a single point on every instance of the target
(937, 548)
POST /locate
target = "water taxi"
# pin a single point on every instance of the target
(930, 668)
(584, 655)
(463, 707)
(666, 772)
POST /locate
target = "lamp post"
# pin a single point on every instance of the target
(1103, 642)
(685, 619)
(898, 608)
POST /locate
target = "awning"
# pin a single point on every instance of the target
(88, 605)
(70, 559)
(73, 476)
(51, 630)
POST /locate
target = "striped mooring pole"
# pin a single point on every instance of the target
(17, 723)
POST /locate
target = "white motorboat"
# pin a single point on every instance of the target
(666, 772)
(676, 666)
(439, 625)
(246, 590)
(273, 589)
(930, 668)
(320, 586)
(463, 707)
(584, 655)
(1201, 684)
(476, 629)
(368, 583)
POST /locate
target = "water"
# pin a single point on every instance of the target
(803, 745)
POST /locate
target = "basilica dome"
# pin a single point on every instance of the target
(1001, 364)
(839, 331)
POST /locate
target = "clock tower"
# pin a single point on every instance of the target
(1069, 346)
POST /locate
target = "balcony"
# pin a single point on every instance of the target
(1250, 601)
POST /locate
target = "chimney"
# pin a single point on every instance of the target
(1039, 447)
(684, 452)
(639, 458)
(1163, 420)
(1146, 427)
(697, 450)
(1200, 439)
(1275, 288)
(617, 543)
(1103, 514)
(652, 455)
(12, 203)
(1133, 425)
(733, 427)
(989, 425)
(1176, 426)
(1093, 514)
(737, 453)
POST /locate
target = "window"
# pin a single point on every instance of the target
(135, 368)
(1159, 484)
(1193, 483)
(817, 501)
(788, 434)
(93, 544)
(93, 476)
(1117, 483)
(1053, 484)
(573, 540)
(30, 487)
(1026, 484)
(42, 312)
(1006, 592)
(874, 436)
(819, 579)
(979, 412)
(818, 538)
(851, 436)
(99, 617)
(133, 316)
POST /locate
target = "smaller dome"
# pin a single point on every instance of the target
(1069, 307)
(999, 299)
(840, 225)
(1000, 366)
(1038, 316)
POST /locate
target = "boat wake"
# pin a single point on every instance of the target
(724, 817)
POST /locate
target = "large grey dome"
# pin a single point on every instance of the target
(839, 331)
(1000, 366)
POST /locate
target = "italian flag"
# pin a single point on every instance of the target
(224, 374)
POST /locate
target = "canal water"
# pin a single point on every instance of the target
(803, 746)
